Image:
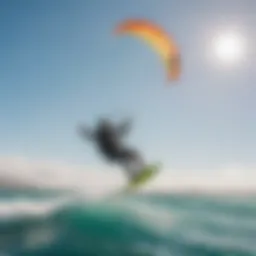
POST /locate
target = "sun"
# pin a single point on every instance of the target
(229, 47)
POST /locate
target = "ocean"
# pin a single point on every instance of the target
(175, 224)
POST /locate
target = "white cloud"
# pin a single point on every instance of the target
(18, 172)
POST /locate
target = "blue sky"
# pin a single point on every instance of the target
(61, 65)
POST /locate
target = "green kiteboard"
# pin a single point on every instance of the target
(144, 176)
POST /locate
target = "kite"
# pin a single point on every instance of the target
(158, 39)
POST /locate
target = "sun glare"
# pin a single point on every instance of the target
(229, 47)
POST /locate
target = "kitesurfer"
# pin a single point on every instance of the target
(109, 138)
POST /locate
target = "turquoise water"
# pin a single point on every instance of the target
(150, 224)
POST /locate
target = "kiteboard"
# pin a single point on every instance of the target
(144, 176)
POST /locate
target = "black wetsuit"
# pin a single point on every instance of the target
(109, 140)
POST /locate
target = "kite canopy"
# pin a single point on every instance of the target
(158, 39)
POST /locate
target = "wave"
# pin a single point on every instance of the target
(56, 209)
(28, 225)
(134, 225)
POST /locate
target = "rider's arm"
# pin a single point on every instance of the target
(124, 127)
(86, 132)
